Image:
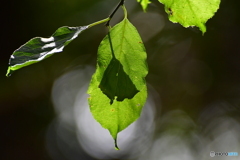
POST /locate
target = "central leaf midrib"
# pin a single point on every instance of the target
(121, 46)
(120, 57)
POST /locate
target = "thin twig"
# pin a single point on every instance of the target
(114, 11)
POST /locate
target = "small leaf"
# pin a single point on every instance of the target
(144, 4)
(118, 89)
(191, 12)
(39, 48)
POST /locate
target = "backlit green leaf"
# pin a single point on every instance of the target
(191, 12)
(116, 83)
(39, 48)
(144, 4)
(118, 88)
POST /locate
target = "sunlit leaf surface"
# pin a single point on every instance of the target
(191, 12)
(118, 88)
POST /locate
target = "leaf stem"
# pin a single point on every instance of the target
(121, 3)
(124, 11)
(99, 22)
(107, 20)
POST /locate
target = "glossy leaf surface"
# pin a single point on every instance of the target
(38, 49)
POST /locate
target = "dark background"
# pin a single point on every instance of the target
(189, 71)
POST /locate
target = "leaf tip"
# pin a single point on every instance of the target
(116, 146)
(9, 72)
(202, 28)
(144, 4)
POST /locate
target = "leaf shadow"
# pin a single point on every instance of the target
(116, 83)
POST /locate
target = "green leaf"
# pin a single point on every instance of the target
(191, 12)
(118, 89)
(115, 81)
(144, 4)
(38, 49)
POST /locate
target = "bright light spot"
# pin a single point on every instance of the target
(46, 40)
(50, 45)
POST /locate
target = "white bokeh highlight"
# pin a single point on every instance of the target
(71, 105)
